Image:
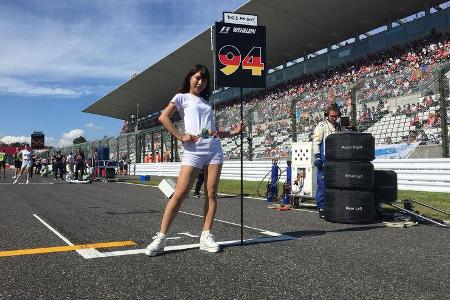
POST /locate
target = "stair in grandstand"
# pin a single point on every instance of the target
(363, 127)
(432, 84)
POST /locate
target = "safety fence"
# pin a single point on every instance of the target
(431, 175)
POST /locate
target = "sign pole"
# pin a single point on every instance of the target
(240, 51)
(242, 170)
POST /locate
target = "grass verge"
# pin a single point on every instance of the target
(227, 186)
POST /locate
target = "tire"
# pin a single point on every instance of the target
(348, 175)
(346, 206)
(385, 186)
(350, 146)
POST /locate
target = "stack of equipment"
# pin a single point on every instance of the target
(385, 186)
(349, 178)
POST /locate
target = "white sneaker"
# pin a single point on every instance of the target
(27, 182)
(15, 181)
(157, 246)
(207, 242)
(14, 177)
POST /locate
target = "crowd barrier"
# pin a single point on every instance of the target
(430, 175)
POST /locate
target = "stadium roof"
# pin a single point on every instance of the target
(294, 28)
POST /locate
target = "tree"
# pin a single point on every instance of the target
(79, 140)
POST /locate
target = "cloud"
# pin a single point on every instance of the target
(14, 139)
(50, 141)
(97, 39)
(92, 126)
(23, 88)
(68, 137)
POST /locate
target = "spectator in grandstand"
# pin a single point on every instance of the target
(166, 156)
(431, 121)
(17, 163)
(322, 130)
(438, 122)
(412, 137)
(422, 137)
(416, 122)
(388, 140)
(202, 149)
(148, 158)
(80, 162)
(3, 163)
(157, 157)
(26, 156)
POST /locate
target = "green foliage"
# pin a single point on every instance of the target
(79, 140)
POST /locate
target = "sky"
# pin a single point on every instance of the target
(59, 57)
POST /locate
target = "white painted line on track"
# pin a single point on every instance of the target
(273, 237)
(138, 184)
(54, 231)
(253, 198)
(261, 240)
(226, 222)
(85, 253)
(188, 234)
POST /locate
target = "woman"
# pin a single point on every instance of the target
(202, 149)
(26, 156)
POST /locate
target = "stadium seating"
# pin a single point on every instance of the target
(382, 79)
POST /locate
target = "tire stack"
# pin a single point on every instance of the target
(385, 186)
(349, 178)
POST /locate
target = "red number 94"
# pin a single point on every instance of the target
(230, 57)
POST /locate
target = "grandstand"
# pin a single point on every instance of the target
(390, 74)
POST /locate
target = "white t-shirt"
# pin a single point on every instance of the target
(197, 114)
(26, 155)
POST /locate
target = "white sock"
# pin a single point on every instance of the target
(205, 232)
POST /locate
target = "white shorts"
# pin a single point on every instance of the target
(26, 164)
(205, 152)
(201, 159)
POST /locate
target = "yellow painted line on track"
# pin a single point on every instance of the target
(65, 248)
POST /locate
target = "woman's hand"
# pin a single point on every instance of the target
(214, 134)
(186, 137)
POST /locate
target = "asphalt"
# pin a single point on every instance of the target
(313, 258)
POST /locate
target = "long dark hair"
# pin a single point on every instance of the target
(186, 85)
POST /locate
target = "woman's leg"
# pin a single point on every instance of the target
(212, 176)
(186, 179)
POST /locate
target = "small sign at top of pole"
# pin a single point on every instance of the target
(250, 20)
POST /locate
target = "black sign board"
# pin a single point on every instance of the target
(37, 141)
(240, 55)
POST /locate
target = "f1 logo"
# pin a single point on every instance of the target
(225, 29)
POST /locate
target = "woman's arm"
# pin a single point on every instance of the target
(225, 134)
(164, 118)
